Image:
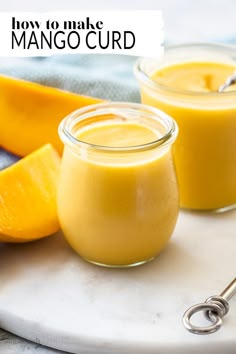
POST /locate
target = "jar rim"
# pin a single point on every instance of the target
(144, 78)
(116, 108)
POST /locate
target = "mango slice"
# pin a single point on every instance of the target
(28, 197)
(30, 114)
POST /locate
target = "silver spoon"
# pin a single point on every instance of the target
(214, 308)
(229, 81)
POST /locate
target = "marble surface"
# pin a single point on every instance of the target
(11, 344)
(52, 297)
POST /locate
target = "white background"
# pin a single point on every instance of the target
(142, 25)
(185, 20)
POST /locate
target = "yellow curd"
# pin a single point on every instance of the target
(205, 151)
(195, 76)
(118, 196)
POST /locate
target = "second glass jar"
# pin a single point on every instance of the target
(205, 151)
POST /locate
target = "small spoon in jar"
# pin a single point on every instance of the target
(231, 80)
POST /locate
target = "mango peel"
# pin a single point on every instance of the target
(30, 114)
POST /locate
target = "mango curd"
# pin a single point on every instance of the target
(205, 151)
(118, 196)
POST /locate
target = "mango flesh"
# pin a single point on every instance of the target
(30, 114)
(28, 197)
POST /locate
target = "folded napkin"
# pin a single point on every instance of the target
(105, 76)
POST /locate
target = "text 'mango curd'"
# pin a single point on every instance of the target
(118, 196)
(205, 151)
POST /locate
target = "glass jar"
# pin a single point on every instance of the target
(117, 202)
(205, 151)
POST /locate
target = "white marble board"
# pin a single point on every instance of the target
(50, 296)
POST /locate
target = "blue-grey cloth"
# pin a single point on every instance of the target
(104, 76)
